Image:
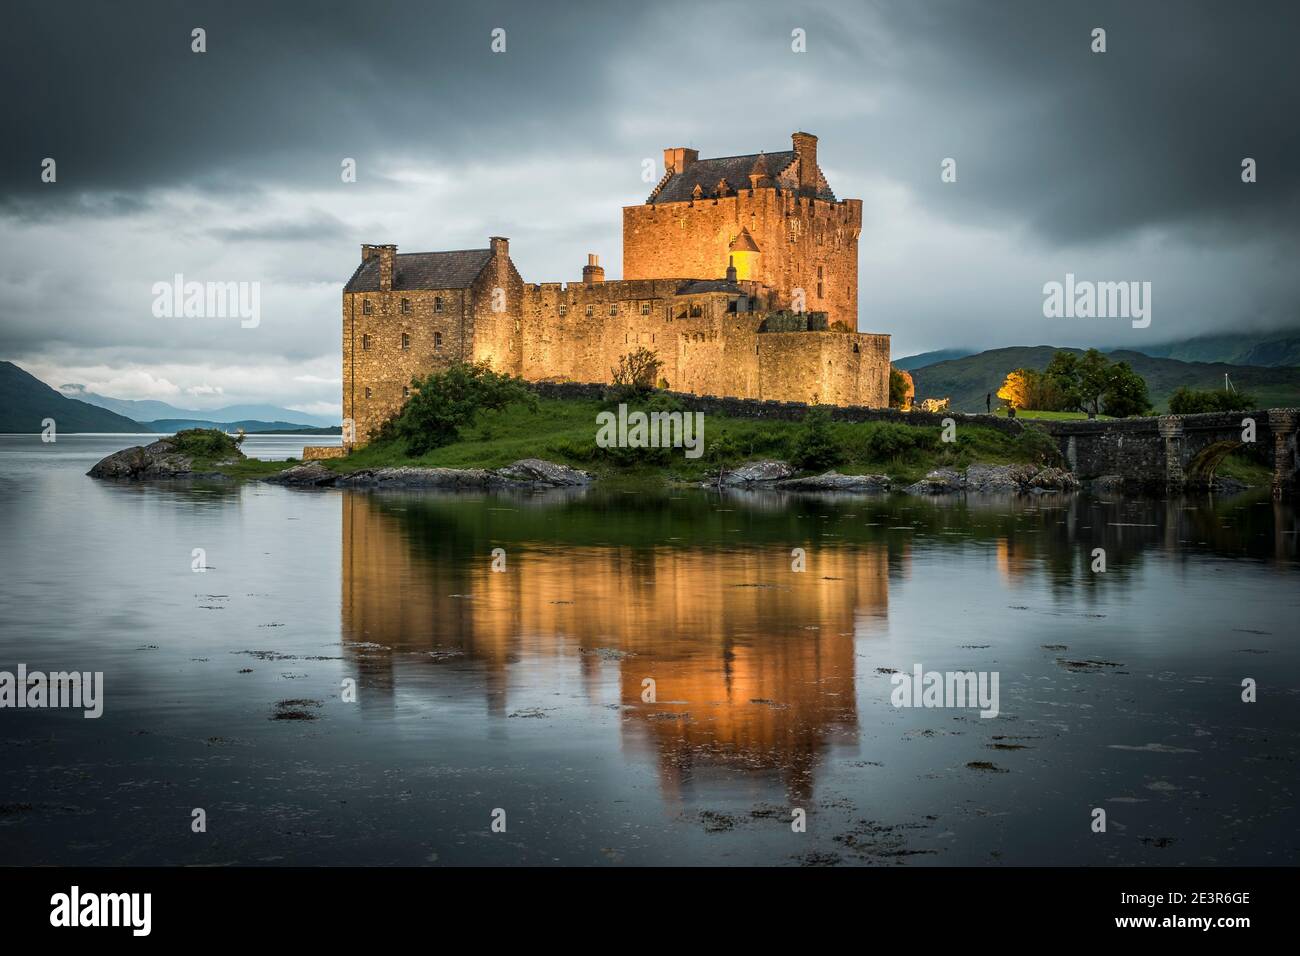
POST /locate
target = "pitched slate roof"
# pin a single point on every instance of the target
(744, 242)
(423, 270)
(706, 173)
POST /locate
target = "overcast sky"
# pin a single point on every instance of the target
(225, 165)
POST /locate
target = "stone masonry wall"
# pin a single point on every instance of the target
(796, 237)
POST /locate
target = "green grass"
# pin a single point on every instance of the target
(1246, 470)
(564, 430)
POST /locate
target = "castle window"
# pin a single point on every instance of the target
(696, 311)
(406, 340)
(367, 391)
(406, 391)
(819, 272)
(645, 308)
(437, 303)
(406, 306)
(564, 309)
(365, 306)
(590, 312)
(613, 308)
(819, 290)
(437, 341)
(365, 343)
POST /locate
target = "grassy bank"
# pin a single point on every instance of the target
(564, 430)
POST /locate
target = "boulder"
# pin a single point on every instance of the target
(940, 481)
(546, 474)
(833, 481)
(310, 474)
(758, 471)
(157, 460)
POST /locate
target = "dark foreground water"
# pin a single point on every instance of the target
(521, 691)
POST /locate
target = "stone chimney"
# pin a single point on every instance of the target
(677, 158)
(501, 260)
(731, 269)
(387, 256)
(592, 272)
(805, 147)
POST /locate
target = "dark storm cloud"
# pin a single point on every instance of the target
(114, 93)
(1082, 145)
(1077, 145)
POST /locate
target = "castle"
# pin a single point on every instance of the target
(740, 273)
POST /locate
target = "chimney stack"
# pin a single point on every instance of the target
(805, 147)
(731, 269)
(387, 262)
(677, 158)
(592, 271)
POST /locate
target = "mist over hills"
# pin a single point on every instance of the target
(150, 410)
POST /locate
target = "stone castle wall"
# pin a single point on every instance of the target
(796, 237)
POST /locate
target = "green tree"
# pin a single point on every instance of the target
(442, 403)
(1091, 383)
(1126, 392)
(900, 384)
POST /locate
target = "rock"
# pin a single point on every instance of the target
(1052, 479)
(833, 481)
(995, 478)
(941, 481)
(1107, 484)
(544, 473)
(158, 460)
(311, 474)
(757, 471)
(407, 477)
(526, 473)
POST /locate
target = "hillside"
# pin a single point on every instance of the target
(909, 362)
(1271, 349)
(25, 401)
(150, 410)
(967, 380)
(250, 425)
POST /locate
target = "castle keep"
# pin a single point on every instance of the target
(741, 273)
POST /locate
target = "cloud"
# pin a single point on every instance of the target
(225, 166)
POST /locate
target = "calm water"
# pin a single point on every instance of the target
(522, 690)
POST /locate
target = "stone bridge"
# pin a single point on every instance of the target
(1181, 451)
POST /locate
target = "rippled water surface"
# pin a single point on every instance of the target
(523, 690)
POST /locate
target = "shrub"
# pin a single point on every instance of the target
(1190, 401)
(442, 403)
(885, 441)
(206, 443)
(814, 444)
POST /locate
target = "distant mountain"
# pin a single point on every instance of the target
(252, 426)
(910, 362)
(966, 381)
(148, 410)
(1269, 349)
(25, 401)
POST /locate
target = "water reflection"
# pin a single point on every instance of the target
(754, 666)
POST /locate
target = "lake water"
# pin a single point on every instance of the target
(521, 691)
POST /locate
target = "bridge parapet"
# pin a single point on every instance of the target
(1174, 451)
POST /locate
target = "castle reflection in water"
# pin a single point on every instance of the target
(753, 664)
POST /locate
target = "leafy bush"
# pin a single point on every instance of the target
(634, 376)
(814, 445)
(1190, 401)
(885, 441)
(442, 403)
(206, 443)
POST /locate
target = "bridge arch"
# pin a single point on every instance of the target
(1200, 469)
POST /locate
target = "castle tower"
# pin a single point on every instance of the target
(771, 214)
(744, 253)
